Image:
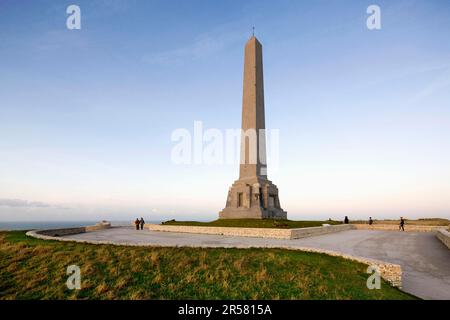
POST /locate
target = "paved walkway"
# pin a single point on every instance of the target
(424, 259)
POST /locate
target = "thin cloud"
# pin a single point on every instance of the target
(18, 203)
(113, 6)
(63, 39)
(439, 83)
(204, 45)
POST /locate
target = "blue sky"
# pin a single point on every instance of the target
(86, 115)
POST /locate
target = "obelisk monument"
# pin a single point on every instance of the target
(253, 196)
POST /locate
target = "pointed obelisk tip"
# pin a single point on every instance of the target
(253, 37)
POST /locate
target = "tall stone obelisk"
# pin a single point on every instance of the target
(253, 196)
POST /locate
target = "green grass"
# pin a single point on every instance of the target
(36, 269)
(252, 223)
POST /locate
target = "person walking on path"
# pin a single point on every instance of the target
(136, 223)
(370, 221)
(142, 222)
(402, 224)
(346, 220)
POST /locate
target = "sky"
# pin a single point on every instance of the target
(87, 116)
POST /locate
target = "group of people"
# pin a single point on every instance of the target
(401, 226)
(139, 223)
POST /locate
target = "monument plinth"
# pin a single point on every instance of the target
(253, 196)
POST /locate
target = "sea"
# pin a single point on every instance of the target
(33, 225)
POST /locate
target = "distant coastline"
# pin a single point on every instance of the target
(31, 225)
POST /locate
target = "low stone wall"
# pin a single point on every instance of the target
(51, 233)
(226, 231)
(252, 232)
(444, 236)
(394, 227)
(61, 232)
(390, 272)
(317, 231)
(97, 227)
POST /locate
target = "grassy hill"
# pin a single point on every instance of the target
(36, 269)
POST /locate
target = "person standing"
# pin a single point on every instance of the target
(402, 224)
(142, 222)
(346, 220)
(136, 223)
(370, 221)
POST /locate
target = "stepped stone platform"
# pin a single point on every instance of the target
(275, 233)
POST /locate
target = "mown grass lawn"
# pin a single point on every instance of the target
(36, 269)
(252, 223)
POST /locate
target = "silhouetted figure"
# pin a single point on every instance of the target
(370, 221)
(346, 220)
(402, 224)
(142, 222)
(136, 223)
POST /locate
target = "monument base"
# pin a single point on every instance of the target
(253, 198)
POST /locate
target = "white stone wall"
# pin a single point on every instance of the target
(444, 236)
(61, 232)
(225, 231)
(317, 231)
(252, 232)
(68, 231)
(390, 272)
(394, 227)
